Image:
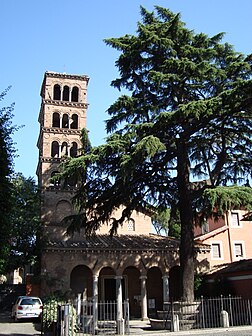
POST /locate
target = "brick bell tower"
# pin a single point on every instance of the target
(62, 116)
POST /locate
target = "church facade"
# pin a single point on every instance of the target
(135, 264)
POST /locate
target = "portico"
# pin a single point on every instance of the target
(133, 268)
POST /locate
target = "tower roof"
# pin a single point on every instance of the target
(65, 75)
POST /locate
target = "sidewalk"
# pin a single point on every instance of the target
(138, 327)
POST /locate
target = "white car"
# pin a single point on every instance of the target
(27, 307)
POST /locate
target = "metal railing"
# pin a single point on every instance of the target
(207, 313)
(84, 317)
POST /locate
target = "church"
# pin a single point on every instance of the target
(135, 264)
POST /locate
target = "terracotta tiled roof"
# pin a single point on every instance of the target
(122, 242)
(247, 216)
(210, 234)
(236, 266)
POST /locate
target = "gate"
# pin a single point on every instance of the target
(83, 317)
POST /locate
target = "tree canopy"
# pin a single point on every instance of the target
(24, 223)
(181, 127)
(7, 154)
(19, 202)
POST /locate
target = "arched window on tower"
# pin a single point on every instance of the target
(55, 149)
(53, 181)
(74, 123)
(73, 149)
(65, 121)
(56, 120)
(71, 181)
(66, 93)
(64, 149)
(56, 92)
(75, 94)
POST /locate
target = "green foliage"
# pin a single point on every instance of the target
(160, 220)
(184, 127)
(215, 202)
(50, 312)
(175, 224)
(7, 153)
(19, 203)
(198, 282)
(227, 198)
(24, 223)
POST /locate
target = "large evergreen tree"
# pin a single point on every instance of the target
(182, 126)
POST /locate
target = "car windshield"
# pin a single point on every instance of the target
(29, 302)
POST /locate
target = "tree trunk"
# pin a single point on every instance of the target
(186, 217)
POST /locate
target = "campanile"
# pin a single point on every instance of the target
(62, 117)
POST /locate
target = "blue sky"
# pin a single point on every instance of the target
(67, 36)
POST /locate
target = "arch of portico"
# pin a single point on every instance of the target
(100, 273)
(146, 277)
(135, 287)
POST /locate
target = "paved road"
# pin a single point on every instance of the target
(23, 328)
(29, 328)
(143, 328)
(241, 331)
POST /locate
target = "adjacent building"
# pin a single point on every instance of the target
(229, 237)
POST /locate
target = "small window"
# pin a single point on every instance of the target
(74, 123)
(66, 93)
(64, 149)
(56, 92)
(73, 149)
(216, 250)
(65, 121)
(131, 225)
(56, 120)
(238, 250)
(75, 94)
(235, 219)
(55, 149)
(54, 183)
(71, 181)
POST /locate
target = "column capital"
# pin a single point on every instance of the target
(166, 276)
(143, 277)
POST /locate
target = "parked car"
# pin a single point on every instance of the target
(27, 307)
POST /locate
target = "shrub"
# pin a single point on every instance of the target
(50, 313)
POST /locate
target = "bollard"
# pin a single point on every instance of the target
(79, 308)
(66, 319)
(120, 326)
(175, 323)
(224, 319)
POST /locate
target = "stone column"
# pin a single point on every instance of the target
(95, 299)
(119, 297)
(120, 320)
(59, 154)
(166, 294)
(61, 92)
(144, 315)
